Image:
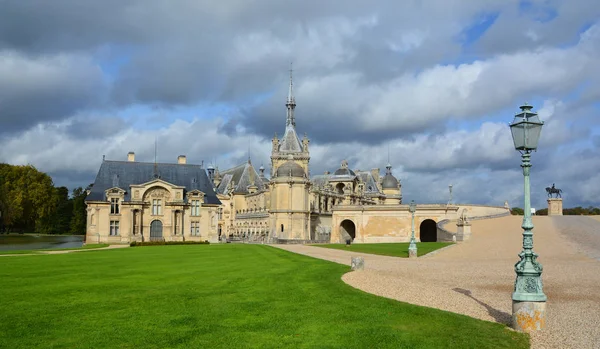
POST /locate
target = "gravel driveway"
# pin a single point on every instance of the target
(476, 277)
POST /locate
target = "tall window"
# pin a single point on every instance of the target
(195, 208)
(195, 229)
(114, 228)
(220, 213)
(114, 206)
(156, 207)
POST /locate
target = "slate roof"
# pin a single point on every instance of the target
(290, 143)
(290, 169)
(389, 181)
(242, 175)
(122, 174)
(365, 176)
(370, 183)
(344, 172)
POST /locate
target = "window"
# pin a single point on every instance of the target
(195, 208)
(195, 229)
(282, 228)
(156, 207)
(114, 228)
(114, 206)
(220, 213)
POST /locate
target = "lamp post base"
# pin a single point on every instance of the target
(528, 316)
(412, 253)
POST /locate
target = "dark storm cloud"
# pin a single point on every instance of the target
(42, 89)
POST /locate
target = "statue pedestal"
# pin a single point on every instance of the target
(463, 231)
(555, 207)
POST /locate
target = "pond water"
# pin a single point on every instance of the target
(37, 242)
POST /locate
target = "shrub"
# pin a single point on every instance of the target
(160, 243)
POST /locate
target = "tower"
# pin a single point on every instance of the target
(391, 187)
(290, 208)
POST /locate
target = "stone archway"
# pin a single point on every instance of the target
(156, 230)
(428, 231)
(347, 229)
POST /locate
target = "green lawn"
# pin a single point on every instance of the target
(40, 251)
(389, 249)
(214, 296)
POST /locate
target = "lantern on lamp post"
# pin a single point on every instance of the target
(529, 300)
(412, 247)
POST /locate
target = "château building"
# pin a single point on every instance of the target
(141, 201)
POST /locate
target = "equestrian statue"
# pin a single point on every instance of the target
(553, 190)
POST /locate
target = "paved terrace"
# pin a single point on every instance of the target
(476, 278)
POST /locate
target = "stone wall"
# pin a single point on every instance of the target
(447, 229)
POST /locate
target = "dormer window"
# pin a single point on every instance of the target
(114, 206)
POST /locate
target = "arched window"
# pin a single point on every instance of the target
(282, 228)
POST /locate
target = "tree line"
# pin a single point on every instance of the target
(575, 211)
(29, 202)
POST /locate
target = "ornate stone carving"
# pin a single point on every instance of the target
(158, 193)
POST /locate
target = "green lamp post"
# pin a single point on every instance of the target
(529, 300)
(412, 247)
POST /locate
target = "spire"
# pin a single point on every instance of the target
(291, 102)
(155, 164)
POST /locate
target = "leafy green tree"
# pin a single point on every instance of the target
(60, 221)
(28, 197)
(78, 219)
(516, 211)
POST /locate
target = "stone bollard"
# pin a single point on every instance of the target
(357, 263)
(529, 316)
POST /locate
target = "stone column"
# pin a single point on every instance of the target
(555, 207)
(133, 222)
(142, 223)
(463, 231)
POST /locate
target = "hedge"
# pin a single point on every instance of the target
(160, 243)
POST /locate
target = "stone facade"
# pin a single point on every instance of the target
(123, 207)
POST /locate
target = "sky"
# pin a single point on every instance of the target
(429, 86)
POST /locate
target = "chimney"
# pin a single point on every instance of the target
(181, 159)
(131, 156)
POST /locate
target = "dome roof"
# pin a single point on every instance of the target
(290, 169)
(389, 182)
(344, 172)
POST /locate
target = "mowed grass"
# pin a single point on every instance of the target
(41, 251)
(388, 249)
(214, 296)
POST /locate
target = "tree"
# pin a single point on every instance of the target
(60, 221)
(516, 211)
(78, 219)
(27, 197)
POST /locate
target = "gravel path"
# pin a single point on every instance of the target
(583, 231)
(476, 277)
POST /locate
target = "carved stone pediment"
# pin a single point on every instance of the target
(157, 193)
(115, 191)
